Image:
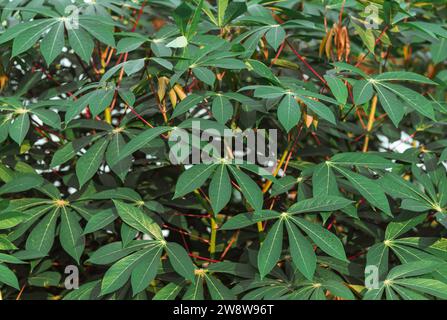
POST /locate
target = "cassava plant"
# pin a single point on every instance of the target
(109, 109)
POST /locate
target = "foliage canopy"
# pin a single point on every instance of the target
(91, 93)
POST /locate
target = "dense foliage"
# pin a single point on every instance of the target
(92, 94)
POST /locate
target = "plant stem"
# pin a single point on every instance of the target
(108, 115)
(370, 125)
(213, 237)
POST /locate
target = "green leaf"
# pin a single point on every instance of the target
(320, 203)
(222, 109)
(402, 224)
(378, 256)
(439, 51)
(271, 247)
(390, 104)
(48, 117)
(101, 100)
(193, 178)
(114, 251)
(6, 244)
(41, 239)
(29, 36)
(168, 292)
(220, 189)
(19, 128)
(70, 234)
(195, 290)
(415, 100)
(146, 270)
(430, 286)
(22, 182)
(114, 150)
(205, 75)
(139, 142)
(100, 220)
(100, 31)
(289, 112)
(186, 104)
(129, 44)
(261, 69)
(403, 76)
(221, 8)
(180, 261)
(362, 91)
(120, 272)
(135, 218)
(323, 181)
(250, 189)
(69, 150)
(81, 42)
(53, 42)
(324, 239)
(302, 252)
(369, 189)
(338, 88)
(362, 159)
(45, 279)
(8, 277)
(217, 290)
(320, 109)
(275, 36)
(88, 165)
(397, 187)
(247, 219)
(412, 269)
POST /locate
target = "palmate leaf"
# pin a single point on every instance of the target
(168, 292)
(367, 188)
(53, 42)
(41, 239)
(289, 112)
(70, 234)
(89, 163)
(405, 280)
(81, 42)
(275, 36)
(323, 238)
(138, 142)
(135, 218)
(321, 203)
(369, 160)
(220, 189)
(180, 261)
(8, 277)
(195, 290)
(302, 252)
(250, 189)
(217, 290)
(338, 88)
(146, 270)
(21, 182)
(19, 128)
(120, 272)
(100, 220)
(222, 109)
(193, 178)
(86, 134)
(271, 248)
(362, 91)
